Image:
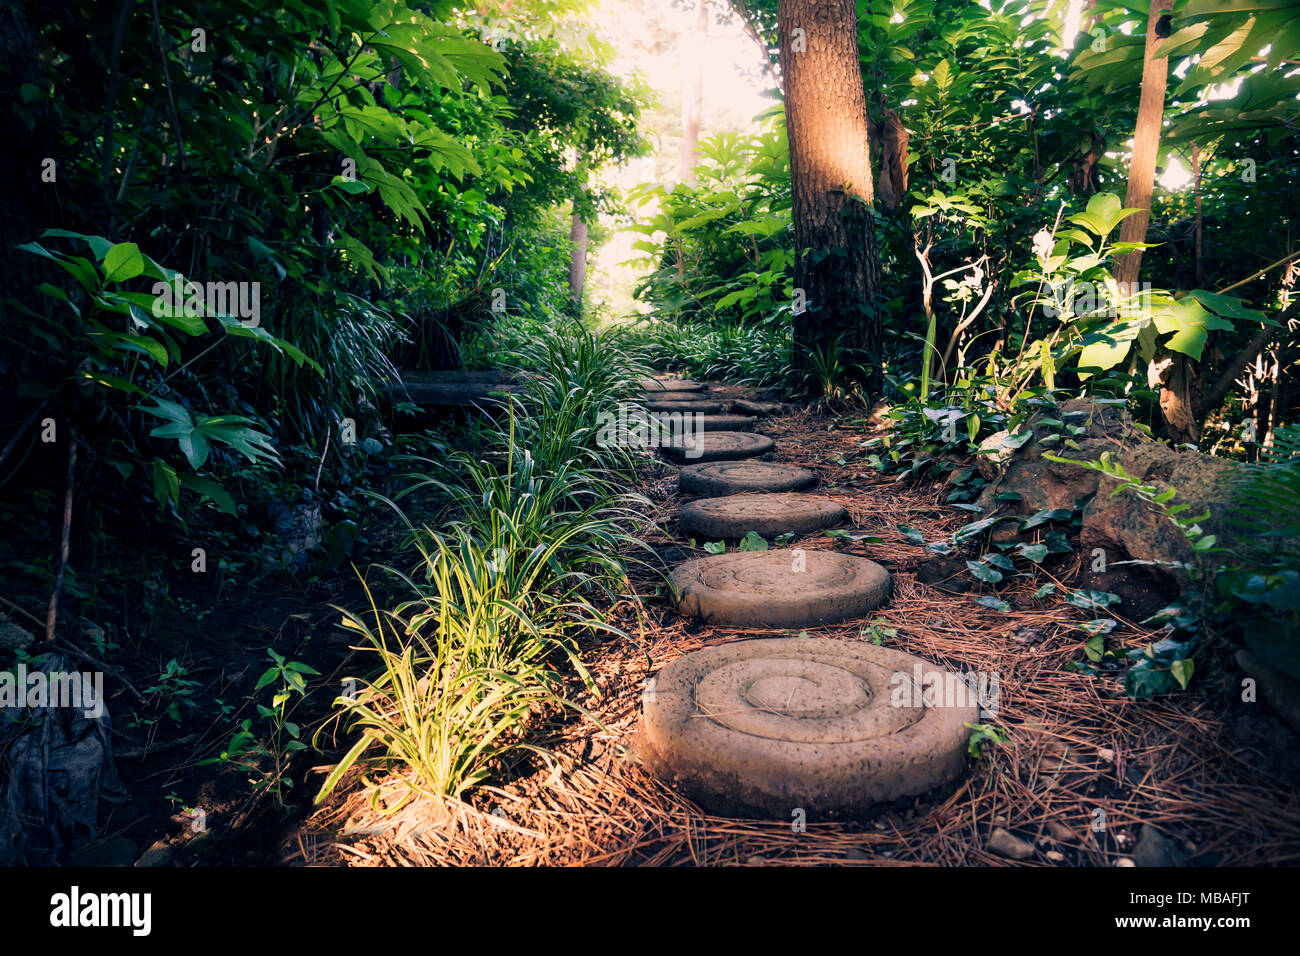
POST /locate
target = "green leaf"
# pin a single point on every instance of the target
(1190, 324)
(1092, 600)
(1033, 552)
(123, 261)
(715, 547)
(1182, 671)
(983, 572)
(752, 541)
(207, 488)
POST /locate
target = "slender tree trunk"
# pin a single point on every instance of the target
(837, 266)
(1146, 144)
(693, 91)
(1200, 219)
(578, 262)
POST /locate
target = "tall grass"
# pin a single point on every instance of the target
(755, 355)
(502, 593)
(436, 720)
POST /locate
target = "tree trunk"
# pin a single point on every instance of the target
(693, 91)
(1146, 144)
(836, 266)
(578, 262)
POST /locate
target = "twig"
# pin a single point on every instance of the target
(1281, 262)
(67, 529)
(112, 672)
(10, 445)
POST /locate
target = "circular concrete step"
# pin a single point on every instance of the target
(830, 727)
(726, 423)
(787, 587)
(717, 446)
(768, 515)
(651, 395)
(704, 407)
(720, 478)
(656, 384)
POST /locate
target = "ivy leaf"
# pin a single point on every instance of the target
(1093, 600)
(715, 547)
(1033, 552)
(911, 534)
(983, 572)
(752, 541)
(1044, 516)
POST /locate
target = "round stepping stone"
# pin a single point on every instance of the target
(671, 385)
(721, 478)
(767, 515)
(717, 446)
(770, 726)
(786, 587)
(674, 425)
(656, 396)
(724, 423)
(661, 405)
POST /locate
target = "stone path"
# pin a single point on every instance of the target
(775, 725)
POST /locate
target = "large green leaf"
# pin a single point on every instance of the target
(1190, 325)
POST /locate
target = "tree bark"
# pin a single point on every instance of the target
(1146, 144)
(837, 265)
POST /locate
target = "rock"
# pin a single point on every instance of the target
(1003, 843)
(717, 446)
(1154, 849)
(1277, 689)
(1056, 856)
(1061, 832)
(1122, 527)
(119, 851)
(743, 406)
(779, 588)
(160, 854)
(298, 528)
(766, 726)
(1124, 861)
(993, 453)
(731, 517)
(13, 637)
(718, 479)
(1114, 528)
(945, 574)
(1047, 485)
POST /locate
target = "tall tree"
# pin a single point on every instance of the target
(837, 267)
(1146, 141)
